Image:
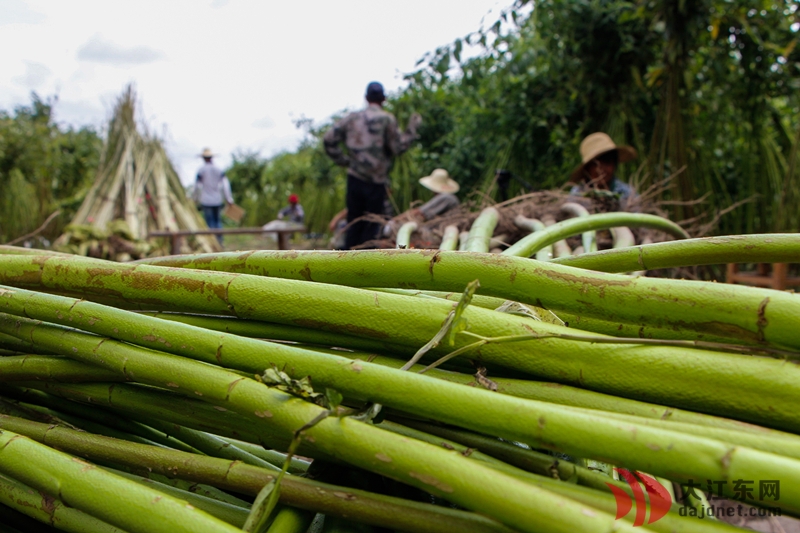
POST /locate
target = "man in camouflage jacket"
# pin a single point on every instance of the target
(371, 140)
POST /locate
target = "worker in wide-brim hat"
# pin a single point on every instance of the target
(440, 182)
(600, 157)
(212, 190)
(445, 187)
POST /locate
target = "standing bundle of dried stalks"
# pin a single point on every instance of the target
(136, 191)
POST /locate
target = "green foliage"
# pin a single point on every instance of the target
(43, 167)
(703, 89)
(262, 186)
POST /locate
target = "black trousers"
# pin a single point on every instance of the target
(363, 197)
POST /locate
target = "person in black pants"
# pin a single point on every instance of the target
(362, 198)
(371, 141)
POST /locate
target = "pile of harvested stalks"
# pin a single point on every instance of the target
(171, 396)
(547, 206)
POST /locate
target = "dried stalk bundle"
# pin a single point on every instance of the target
(136, 191)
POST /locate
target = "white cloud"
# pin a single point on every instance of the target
(264, 123)
(100, 51)
(231, 78)
(218, 3)
(18, 12)
(35, 75)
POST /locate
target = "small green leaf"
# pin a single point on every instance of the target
(460, 324)
(333, 397)
(262, 508)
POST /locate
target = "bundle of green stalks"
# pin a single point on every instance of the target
(397, 390)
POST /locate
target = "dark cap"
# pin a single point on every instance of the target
(375, 92)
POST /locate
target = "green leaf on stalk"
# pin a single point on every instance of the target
(333, 398)
(536, 313)
(262, 509)
(459, 324)
(297, 387)
(453, 324)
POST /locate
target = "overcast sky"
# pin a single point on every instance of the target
(228, 74)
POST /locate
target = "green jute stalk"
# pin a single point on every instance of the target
(784, 444)
(539, 463)
(36, 412)
(101, 429)
(547, 476)
(109, 419)
(15, 522)
(603, 499)
(147, 404)
(78, 415)
(666, 453)
(20, 250)
(404, 234)
(187, 486)
(533, 225)
(516, 456)
(379, 510)
(212, 445)
(81, 414)
(289, 520)
(529, 245)
(14, 346)
(731, 311)
(591, 488)
(576, 397)
(588, 238)
(672, 522)
(441, 472)
(466, 451)
(49, 510)
(762, 248)
(482, 230)
(487, 302)
(110, 498)
(631, 330)
(204, 490)
(232, 514)
(297, 466)
(699, 379)
(623, 237)
(283, 332)
(50, 368)
(450, 238)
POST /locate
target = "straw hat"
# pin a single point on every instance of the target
(597, 144)
(440, 181)
(207, 153)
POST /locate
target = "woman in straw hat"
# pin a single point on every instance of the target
(600, 158)
(445, 199)
(445, 188)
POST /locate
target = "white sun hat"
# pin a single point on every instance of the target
(440, 181)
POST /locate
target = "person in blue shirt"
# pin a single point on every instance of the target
(210, 190)
(600, 158)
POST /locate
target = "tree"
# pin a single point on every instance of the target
(43, 168)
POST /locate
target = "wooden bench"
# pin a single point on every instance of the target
(776, 277)
(176, 236)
